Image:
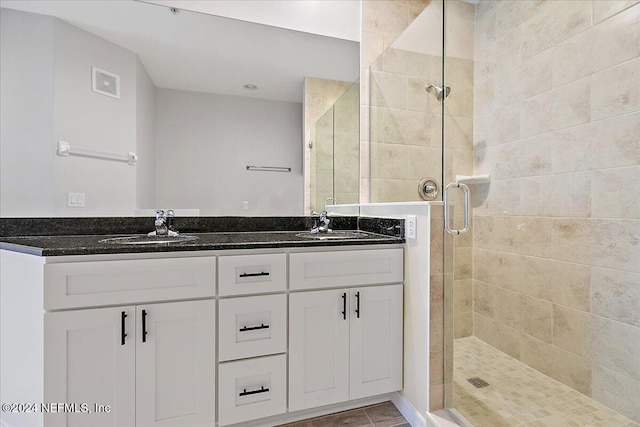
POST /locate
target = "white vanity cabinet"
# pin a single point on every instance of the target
(375, 340)
(318, 349)
(127, 340)
(344, 343)
(227, 337)
(86, 362)
(175, 365)
(252, 343)
(152, 364)
(98, 283)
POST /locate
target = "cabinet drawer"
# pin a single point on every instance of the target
(345, 268)
(251, 389)
(252, 326)
(86, 284)
(252, 274)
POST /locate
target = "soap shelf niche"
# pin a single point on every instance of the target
(65, 150)
(473, 179)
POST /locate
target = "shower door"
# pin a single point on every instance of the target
(534, 310)
(542, 294)
(406, 139)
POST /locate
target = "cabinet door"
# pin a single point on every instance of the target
(318, 348)
(376, 340)
(89, 360)
(175, 364)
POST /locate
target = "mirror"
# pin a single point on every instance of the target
(335, 152)
(198, 98)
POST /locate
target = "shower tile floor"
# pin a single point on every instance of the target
(518, 395)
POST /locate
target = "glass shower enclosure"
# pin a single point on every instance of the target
(535, 106)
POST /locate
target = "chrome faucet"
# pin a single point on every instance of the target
(164, 224)
(321, 224)
(169, 215)
(161, 223)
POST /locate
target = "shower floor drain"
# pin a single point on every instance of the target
(478, 382)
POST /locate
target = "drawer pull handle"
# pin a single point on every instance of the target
(123, 335)
(254, 328)
(144, 325)
(249, 393)
(358, 305)
(344, 306)
(262, 273)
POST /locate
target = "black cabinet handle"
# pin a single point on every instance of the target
(344, 306)
(248, 393)
(253, 328)
(358, 304)
(144, 325)
(262, 273)
(123, 335)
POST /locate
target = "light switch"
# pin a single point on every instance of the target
(75, 200)
(410, 229)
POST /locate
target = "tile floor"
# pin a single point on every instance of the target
(380, 415)
(518, 395)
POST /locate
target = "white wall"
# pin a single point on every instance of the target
(26, 119)
(91, 120)
(145, 139)
(46, 97)
(204, 143)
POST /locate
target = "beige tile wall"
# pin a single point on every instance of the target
(382, 22)
(406, 130)
(346, 146)
(437, 332)
(405, 142)
(321, 161)
(319, 97)
(556, 270)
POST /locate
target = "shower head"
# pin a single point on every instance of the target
(441, 92)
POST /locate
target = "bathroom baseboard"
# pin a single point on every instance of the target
(445, 418)
(410, 413)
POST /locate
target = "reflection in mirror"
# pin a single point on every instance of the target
(335, 153)
(179, 103)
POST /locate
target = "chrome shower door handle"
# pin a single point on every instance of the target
(467, 208)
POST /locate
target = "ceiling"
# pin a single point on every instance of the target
(205, 53)
(335, 18)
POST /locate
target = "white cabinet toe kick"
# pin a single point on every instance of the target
(215, 338)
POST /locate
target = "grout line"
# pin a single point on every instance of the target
(550, 259)
(368, 417)
(554, 303)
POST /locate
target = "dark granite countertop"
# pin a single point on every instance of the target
(59, 237)
(91, 245)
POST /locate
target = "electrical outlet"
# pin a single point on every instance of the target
(75, 200)
(245, 206)
(410, 227)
